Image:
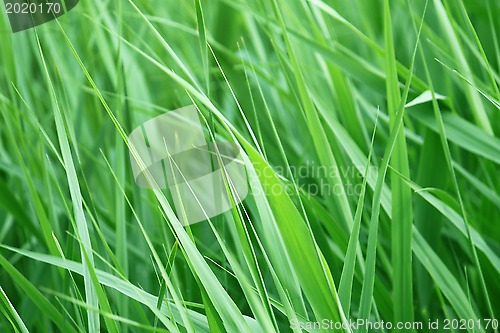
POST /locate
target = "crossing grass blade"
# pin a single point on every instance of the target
(346, 280)
(367, 291)
(76, 197)
(402, 205)
(11, 313)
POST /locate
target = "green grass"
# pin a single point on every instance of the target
(369, 135)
